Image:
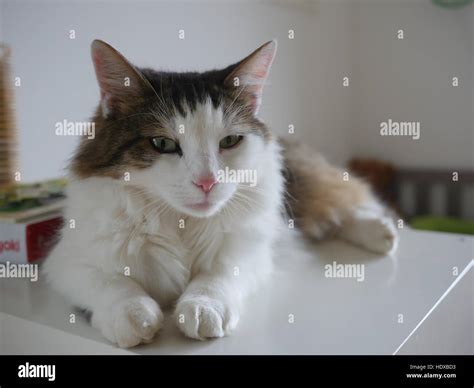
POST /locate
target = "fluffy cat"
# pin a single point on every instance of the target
(155, 228)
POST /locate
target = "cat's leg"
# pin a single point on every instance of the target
(121, 309)
(327, 201)
(211, 304)
(348, 209)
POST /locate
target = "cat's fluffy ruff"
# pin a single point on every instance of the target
(135, 248)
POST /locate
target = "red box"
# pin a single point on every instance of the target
(29, 241)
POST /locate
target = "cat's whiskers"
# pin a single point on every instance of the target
(244, 200)
(240, 202)
(253, 189)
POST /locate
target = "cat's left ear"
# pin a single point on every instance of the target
(121, 84)
(249, 77)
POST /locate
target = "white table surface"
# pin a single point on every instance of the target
(331, 316)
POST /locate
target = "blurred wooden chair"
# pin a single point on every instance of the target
(452, 183)
(391, 184)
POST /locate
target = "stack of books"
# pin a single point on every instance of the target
(30, 219)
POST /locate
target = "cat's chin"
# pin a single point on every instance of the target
(201, 210)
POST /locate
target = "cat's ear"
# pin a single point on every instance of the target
(121, 84)
(249, 77)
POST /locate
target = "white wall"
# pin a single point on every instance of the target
(1, 20)
(404, 80)
(411, 80)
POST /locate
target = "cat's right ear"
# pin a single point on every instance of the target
(251, 73)
(121, 84)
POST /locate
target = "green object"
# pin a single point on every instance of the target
(19, 205)
(451, 3)
(443, 224)
(24, 196)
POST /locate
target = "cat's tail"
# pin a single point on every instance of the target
(325, 201)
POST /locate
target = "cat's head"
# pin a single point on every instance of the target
(175, 134)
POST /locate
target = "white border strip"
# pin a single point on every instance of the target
(461, 275)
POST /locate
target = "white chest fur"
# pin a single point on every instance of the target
(131, 235)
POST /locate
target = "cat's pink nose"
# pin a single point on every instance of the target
(205, 183)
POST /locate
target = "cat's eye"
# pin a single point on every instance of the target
(165, 145)
(230, 141)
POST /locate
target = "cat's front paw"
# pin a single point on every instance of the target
(130, 322)
(202, 317)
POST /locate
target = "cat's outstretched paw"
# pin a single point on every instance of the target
(202, 317)
(131, 322)
(377, 234)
